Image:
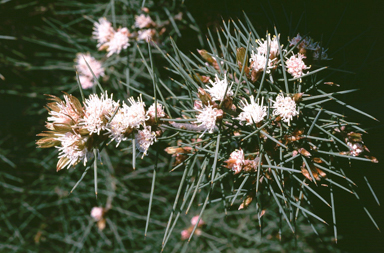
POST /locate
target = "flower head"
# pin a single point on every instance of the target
(143, 21)
(160, 111)
(97, 213)
(263, 47)
(97, 112)
(285, 107)
(135, 112)
(146, 35)
(219, 88)
(295, 65)
(118, 42)
(67, 112)
(195, 219)
(207, 118)
(94, 65)
(118, 127)
(72, 150)
(253, 112)
(86, 82)
(258, 62)
(236, 161)
(144, 139)
(102, 31)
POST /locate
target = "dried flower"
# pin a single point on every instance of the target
(143, 21)
(236, 161)
(144, 139)
(68, 111)
(97, 112)
(295, 65)
(219, 88)
(306, 43)
(207, 118)
(284, 107)
(253, 112)
(118, 42)
(102, 31)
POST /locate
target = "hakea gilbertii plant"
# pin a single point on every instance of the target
(249, 124)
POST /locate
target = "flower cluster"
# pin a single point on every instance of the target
(295, 65)
(285, 107)
(77, 131)
(109, 39)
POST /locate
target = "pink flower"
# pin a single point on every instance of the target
(102, 31)
(146, 35)
(185, 234)
(97, 213)
(143, 21)
(195, 219)
(295, 65)
(118, 42)
(94, 65)
(86, 82)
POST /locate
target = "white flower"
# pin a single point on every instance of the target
(97, 112)
(83, 69)
(284, 107)
(118, 42)
(295, 65)
(253, 112)
(258, 62)
(118, 127)
(160, 111)
(273, 44)
(135, 112)
(219, 88)
(207, 118)
(102, 31)
(65, 112)
(144, 139)
(143, 21)
(73, 150)
(97, 213)
(236, 161)
(356, 148)
(146, 34)
(86, 82)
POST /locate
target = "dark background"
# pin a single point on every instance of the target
(352, 30)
